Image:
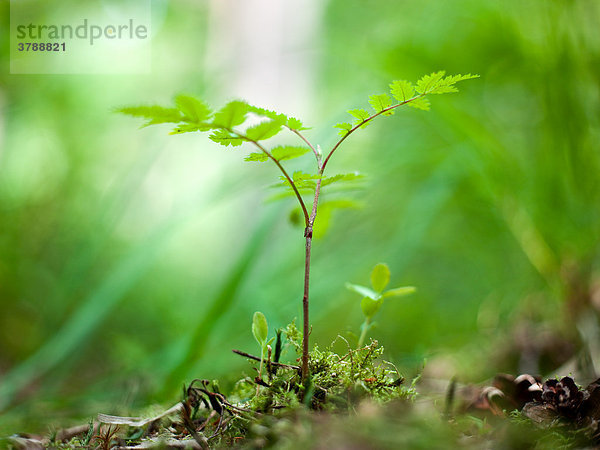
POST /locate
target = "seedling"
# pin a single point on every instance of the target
(236, 123)
(260, 330)
(372, 299)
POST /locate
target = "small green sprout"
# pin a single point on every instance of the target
(373, 298)
(260, 330)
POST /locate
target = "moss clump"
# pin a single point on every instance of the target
(336, 381)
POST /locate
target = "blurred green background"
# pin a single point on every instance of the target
(132, 261)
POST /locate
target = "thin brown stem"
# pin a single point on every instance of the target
(308, 234)
(256, 358)
(309, 222)
(306, 324)
(314, 150)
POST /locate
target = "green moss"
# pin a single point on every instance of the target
(338, 383)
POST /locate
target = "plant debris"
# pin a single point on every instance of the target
(556, 404)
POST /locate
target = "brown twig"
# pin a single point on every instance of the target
(256, 358)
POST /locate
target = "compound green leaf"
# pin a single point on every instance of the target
(264, 130)
(429, 82)
(344, 128)
(295, 124)
(452, 79)
(364, 291)
(446, 84)
(282, 153)
(232, 114)
(380, 277)
(225, 138)
(360, 114)
(290, 122)
(420, 103)
(380, 102)
(399, 292)
(260, 329)
(444, 89)
(402, 90)
(153, 114)
(268, 113)
(299, 175)
(257, 157)
(370, 307)
(288, 192)
(194, 110)
(305, 182)
(340, 178)
(186, 128)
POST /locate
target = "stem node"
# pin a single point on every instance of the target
(308, 232)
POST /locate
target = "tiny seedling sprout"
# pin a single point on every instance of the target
(260, 330)
(372, 299)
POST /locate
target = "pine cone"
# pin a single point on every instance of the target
(564, 396)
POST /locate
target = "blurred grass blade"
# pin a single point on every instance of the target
(221, 303)
(85, 320)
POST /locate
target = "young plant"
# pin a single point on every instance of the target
(260, 330)
(235, 124)
(372, 299)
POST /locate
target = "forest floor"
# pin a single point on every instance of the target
(352, 401)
